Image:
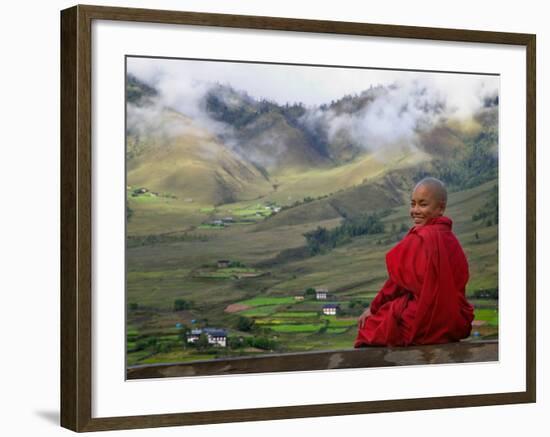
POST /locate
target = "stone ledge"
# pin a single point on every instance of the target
(460, 352)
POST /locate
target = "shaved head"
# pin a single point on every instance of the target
(436, 186)
(428, 201)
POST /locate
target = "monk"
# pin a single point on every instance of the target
(423, 301)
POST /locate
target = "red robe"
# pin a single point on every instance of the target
(423, 301)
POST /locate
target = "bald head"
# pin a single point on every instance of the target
(436, 186)
(428, 201)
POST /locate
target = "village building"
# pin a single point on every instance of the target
(298, 297)
(228, 220)
(216, 336)
(321, 293)
(194, 335)
(331, 309)
(273, 208)
(223, 263)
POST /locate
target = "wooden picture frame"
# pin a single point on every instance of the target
(76, 219)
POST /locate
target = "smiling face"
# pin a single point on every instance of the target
(425, 204)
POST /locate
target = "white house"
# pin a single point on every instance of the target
(193, 336)
(330, 309)
(321, 293)
(216, 336)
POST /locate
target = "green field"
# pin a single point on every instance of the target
(296, 328)
(488, 315)
(296, 314)
(164, 269)
(261, 301)
(260, 311)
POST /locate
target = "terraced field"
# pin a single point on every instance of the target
(271, 278)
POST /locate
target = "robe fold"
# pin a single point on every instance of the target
(423, 300)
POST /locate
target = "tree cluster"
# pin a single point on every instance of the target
(138, 92)
(488, 213)
(182, 304)
(478, 163)
(321, 239)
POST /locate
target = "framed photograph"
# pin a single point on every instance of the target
(316, 211)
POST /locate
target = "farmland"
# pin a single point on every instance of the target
(270, 279)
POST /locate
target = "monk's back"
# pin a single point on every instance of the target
(451, 260)
(423, 301)
(455, 253)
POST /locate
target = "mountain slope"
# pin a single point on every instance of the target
(192, 164)
(241, 148)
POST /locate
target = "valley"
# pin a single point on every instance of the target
(223, 209)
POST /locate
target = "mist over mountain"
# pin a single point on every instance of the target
(335, 133)
(268, 139)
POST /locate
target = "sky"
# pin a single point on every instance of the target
(311, 85)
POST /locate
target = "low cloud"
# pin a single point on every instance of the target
(397, 110)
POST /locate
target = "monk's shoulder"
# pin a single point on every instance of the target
(415, 234)
(405, 253)
(436, 235)
(426, 232)
(413, 238)
(424, 238)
